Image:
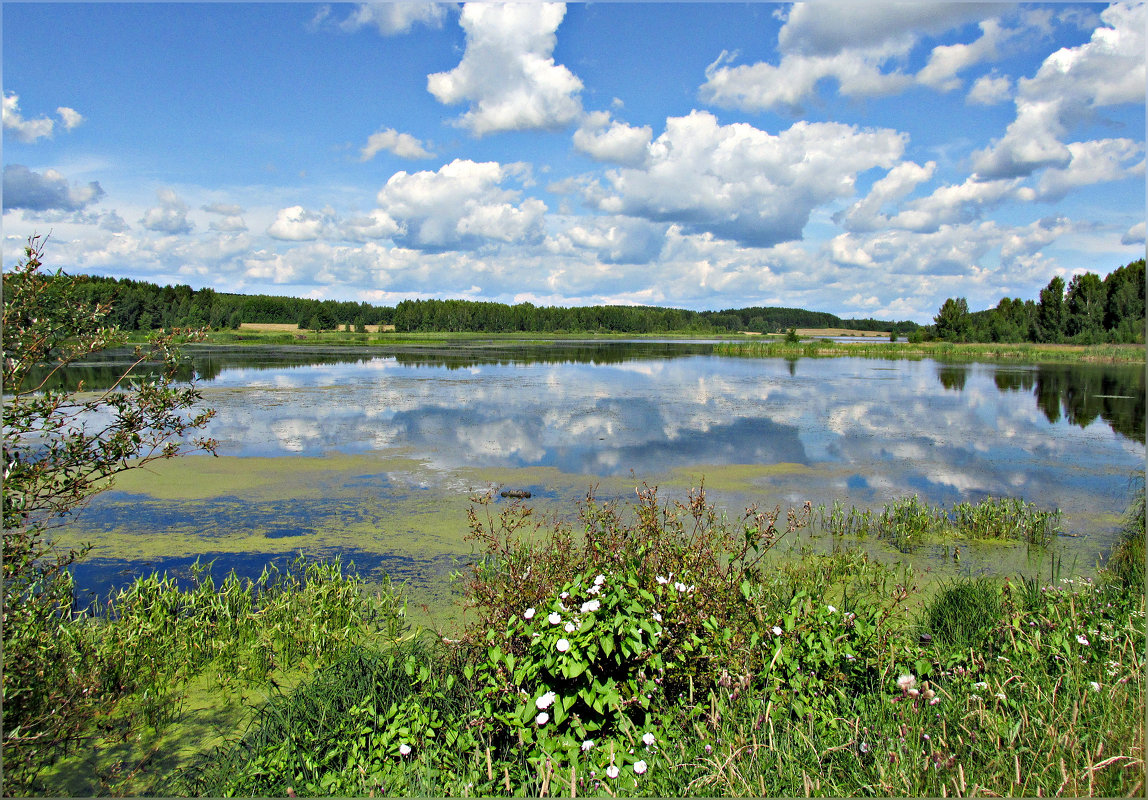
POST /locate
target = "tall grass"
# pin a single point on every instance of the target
(909, 522)
(943, 351)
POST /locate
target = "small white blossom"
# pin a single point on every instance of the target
(554, 618)
(657, 617)
(980, 685)
(591, 605)
(1082, 639)
(648, 739)
(545, 700)
(681, 587)
(563, 645)
(639, 767)
(564, 595)
(999, 695)
(775, 630)
(570, 627)
(528, 613)
(599, 580)
(594, 589)
(612, 771)
(663, 580)
(404, 749)
(542, 718)
(832, 610)
(586, 745)
(906, 682)
(1095, 686)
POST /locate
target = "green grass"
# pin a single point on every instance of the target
(909, 522)
(942, 351)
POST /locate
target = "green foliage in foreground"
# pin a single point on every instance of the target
(811, 676)
(661, 652)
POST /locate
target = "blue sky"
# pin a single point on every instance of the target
(863, 158)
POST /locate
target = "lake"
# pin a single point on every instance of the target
(373, 454)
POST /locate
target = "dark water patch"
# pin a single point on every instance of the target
(97, 578)
(222, 516)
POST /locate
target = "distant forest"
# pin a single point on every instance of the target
(1086, 311)
(138, 305)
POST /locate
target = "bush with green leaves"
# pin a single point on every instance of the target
(60, 447)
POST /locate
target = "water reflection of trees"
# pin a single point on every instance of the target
(1081, 394)
(207, 363)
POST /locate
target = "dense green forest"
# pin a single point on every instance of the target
(138, 305)
(1088, 311)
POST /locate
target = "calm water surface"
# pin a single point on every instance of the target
(562, 417)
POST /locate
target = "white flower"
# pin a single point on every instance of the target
(639, 767)
(563, 645)
(599, 580)
(591, 605)
(832, 610)
(404, 749)
(690, 589)
(1082, 639)
(1095, 686)
(554, 618)
(528, 613)
(663, 580)
(906, 682)
(1000, 695)
(586, 745)
(564, 595)
(681, 587)
(594, 589)
(570, 627)
(775, 630)
(545, 700)
(980, 685)
(542, 718)
(612, 771)
(657, 617)
(648, 739)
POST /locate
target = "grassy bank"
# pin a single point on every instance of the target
(653, 650)
(942, 351)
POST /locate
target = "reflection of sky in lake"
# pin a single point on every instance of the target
(947, 432)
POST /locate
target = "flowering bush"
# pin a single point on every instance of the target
(584, 665)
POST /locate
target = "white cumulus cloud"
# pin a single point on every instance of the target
(170, 216)
(859, 45)
(46, 191)
(392, 18)
(1107, 70)
(507, 74)
(611, 141)
(741, 183)
(402, 145)
(461, 206)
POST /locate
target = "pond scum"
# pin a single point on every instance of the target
(653, 650)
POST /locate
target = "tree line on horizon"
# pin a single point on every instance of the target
(1086, 311)
(143, 306)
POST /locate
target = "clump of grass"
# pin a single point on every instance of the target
(1125, 565)
(909, 522)
(1006, 518)
(963, 613)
